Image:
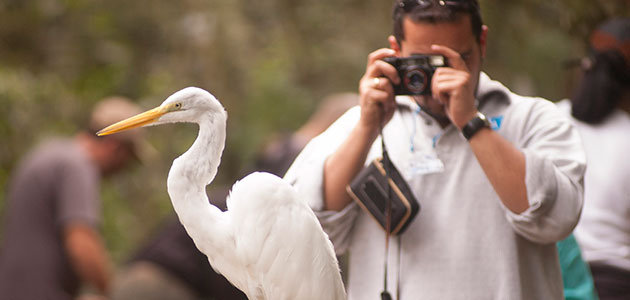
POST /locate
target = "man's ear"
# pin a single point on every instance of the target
(393, 44)
(483, 40)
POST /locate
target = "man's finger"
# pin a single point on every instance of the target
(380, 54)
(455, 60)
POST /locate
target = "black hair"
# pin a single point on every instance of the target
(602, 87)
(436, 13)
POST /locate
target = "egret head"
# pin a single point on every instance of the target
(190, 104)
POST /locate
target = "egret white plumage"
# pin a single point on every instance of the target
(268, 243)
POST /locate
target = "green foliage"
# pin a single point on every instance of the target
(269, 62)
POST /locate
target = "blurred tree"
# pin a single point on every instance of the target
(268, 61)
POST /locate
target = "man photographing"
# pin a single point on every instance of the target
(498, 175)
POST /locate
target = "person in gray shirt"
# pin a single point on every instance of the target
(51, 245)
(499, 176)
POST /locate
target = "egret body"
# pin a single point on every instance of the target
(268, 243)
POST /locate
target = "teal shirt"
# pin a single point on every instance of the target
(576, 275)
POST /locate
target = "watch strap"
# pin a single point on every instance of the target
(473, 126)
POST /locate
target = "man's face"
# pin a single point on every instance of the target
(118, 154)
(457, 35)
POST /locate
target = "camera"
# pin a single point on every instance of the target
(416, 72)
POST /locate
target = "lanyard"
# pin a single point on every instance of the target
(388, 217)
(387, 165)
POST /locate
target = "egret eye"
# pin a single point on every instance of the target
(175, 106)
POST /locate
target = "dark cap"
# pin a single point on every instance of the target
(612, 35)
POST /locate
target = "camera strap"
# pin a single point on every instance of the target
(387, 165)
(388, 215)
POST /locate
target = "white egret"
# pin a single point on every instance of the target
(268, 243)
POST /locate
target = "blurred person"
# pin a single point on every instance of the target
(498, 175)
(601, 110)
(281, 149)
(577, 280)
(51, 247)
(170, 267)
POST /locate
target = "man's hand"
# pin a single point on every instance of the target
(454, 88)
(377, 108)
(376, 91)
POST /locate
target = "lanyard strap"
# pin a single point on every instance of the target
(388, 215)
(387, 164)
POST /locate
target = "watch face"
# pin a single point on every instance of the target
(478, 122)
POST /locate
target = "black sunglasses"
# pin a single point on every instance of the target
(408, 5)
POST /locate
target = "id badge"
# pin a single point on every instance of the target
(422, 164)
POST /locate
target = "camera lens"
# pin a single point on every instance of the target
(415, 81)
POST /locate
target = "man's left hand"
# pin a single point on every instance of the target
(453, 87)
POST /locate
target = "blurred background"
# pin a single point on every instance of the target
(269, 62)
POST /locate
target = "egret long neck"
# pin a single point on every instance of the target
(190, 174)
(199, 164)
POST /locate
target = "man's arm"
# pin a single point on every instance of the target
(87, 255)
(377, 108)
(343, 165)
(504, 165)
(552, 186)
(502, 162)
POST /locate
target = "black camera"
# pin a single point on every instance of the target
(416, 72)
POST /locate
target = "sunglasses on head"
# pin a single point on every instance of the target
(408, 5)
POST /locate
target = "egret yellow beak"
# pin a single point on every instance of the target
(138, 120)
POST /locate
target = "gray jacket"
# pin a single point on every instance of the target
(464, 244)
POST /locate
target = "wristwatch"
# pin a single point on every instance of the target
(478, 122)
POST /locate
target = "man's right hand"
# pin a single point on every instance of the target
(376, 91)
(377, 108)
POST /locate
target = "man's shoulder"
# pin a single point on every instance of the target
(55, 155)
(494, 93)
(55, 146)
(518, 116)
